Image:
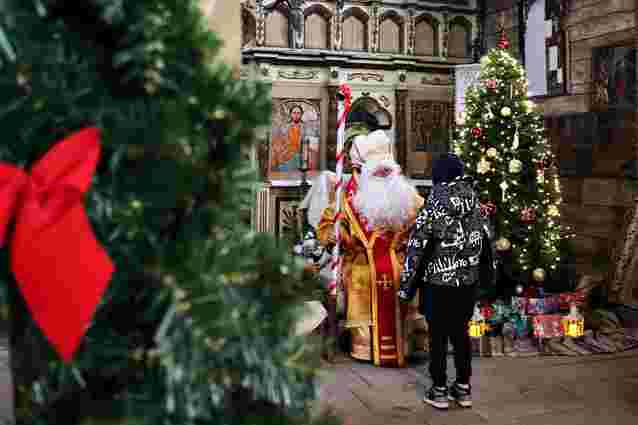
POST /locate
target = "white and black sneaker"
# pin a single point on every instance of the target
(437, 397)
(462, 394)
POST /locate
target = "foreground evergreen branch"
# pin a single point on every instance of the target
(197, 324)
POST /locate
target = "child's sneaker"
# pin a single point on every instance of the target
(462, 394)
(437, 397)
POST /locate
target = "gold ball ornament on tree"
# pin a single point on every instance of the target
(515, 166)
(539, 275)
(506, 111)
(553, 211)
(22, 79)
(492, 152)
(483, 166)
(488, 116)
(503, 244)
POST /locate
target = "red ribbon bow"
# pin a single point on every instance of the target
(59, 266)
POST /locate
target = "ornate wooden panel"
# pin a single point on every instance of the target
(429, 136)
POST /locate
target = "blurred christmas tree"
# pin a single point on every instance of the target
(502, 143)
(197, 323)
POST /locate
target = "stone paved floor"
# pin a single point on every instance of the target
(537, 391)
(506, 391)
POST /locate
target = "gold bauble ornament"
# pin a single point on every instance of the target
(539, 275)
(506, 111)
(151, 88)
(492, 152)
(483, 166)
(515, 166)
(503, 244)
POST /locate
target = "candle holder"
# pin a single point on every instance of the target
(304, 165)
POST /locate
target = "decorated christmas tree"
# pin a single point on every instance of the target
(137, 293)
(502, 143)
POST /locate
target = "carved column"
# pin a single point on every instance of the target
(411, 36)
(296, 25)
(261, 25)
(402, 128)
(331, 144)
(446, 34)
(337, 27)
(374, 22)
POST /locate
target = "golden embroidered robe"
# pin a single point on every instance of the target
(372, 263)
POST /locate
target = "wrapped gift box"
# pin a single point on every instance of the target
(519, 305)
(521, 327)
(535, 306)
(547, 325)
(552, 303)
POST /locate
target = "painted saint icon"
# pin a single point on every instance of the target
(295, 133)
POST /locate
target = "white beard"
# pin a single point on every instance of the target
(384, 201)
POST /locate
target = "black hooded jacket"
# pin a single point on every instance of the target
(451, 243)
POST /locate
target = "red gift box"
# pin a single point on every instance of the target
(547, 325)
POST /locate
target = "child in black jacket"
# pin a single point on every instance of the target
(449, 251)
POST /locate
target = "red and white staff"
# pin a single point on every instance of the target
(344, 97)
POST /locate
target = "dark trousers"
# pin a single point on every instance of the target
(451, 311)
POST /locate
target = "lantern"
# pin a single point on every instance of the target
(477, 326)
(574, 323)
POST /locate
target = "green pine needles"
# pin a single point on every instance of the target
(502, 143)
(197, 325)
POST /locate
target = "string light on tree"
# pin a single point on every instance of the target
(503, 145)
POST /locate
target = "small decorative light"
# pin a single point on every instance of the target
(477, 326)
(574, 323)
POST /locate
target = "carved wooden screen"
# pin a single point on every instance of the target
(431, 123)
